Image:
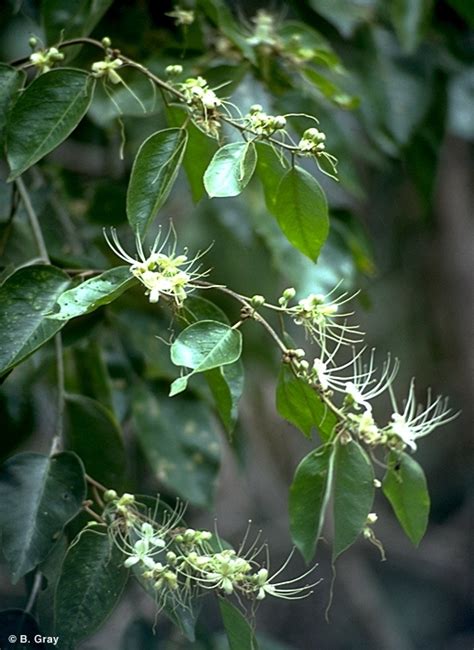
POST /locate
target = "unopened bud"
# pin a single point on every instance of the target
(256, 108)
(289, 293)
(371, 518)
(106, 42)
(110, 495)
(377, 483)
(33, 42)
(173, 70)
(279, 122)
(257, 301)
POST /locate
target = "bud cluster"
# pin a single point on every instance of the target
(262, 124)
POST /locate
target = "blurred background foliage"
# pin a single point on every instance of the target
(392, 83)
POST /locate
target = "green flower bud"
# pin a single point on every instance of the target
(278, 122)
(33, 42)
(110, 495)
(257, 301)
(289, 293)
(255, 108)
(106, 42)
(173, 70)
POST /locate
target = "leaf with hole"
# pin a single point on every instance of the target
(92, 294)
(405, 487)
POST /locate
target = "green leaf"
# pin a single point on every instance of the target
(353, 494)
(10, 82)
(92, 375)
(38, 496)
(328, 88)
(90, 585)
(409, 19)
(298, 403)
(309, 496)
(198, 153)
(345, 15)
(180, 442)
(226, 384)
(405, 487)
(154, 171)
(230, 169)
(45, 114)
(92, 294)
(239, 632)
(203, 346)
(94, 434)
(270, 171)
(26, 297)
(65, 20)
(302, 212)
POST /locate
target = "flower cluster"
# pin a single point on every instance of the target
(357, 380)
(181, 563)
(203, 102)
(44, 60)
(163, 274)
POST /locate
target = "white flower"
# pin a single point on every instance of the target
(417, 421)
(163, 274)
(320, 315)
(265, 585)
(364, 384)
(107, 68)
(140, 554)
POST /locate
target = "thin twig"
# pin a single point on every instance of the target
(34, 221)
(95, 483)
(35, 589)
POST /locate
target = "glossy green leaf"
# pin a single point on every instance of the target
(92, 374)
(92, 294)
(90, 585)
(298, 403)
(240, 634)
(309, 496)
(198, 153)
(64, 20)
(26, 297)
(231, 169)
(405, 487)
(38, 496)
(353, 494)
(226, 384)
(409, 18)
(302, 212)
(203, 346)
(154, 171)
(45, 114)
(180, 442)
(94, 434)
(10, 82)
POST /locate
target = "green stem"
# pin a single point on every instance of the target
(34, 221)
